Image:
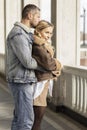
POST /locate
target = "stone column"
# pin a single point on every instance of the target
(66, 39)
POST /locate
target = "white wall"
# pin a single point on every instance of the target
(2, 29)
(67, 34)
(36, 2)
(13, 13)
(45, 6)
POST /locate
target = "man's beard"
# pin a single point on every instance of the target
(33, 26)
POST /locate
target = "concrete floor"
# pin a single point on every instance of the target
(51, 120)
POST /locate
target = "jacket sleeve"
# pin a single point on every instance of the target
(23, 50)
(43, 57)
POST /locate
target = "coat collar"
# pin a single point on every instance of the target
(41, 42)
(27, 29)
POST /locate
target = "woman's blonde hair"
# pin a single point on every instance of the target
(42, 25)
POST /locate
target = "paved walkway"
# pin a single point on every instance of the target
(51, 121)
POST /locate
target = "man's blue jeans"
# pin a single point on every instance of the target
(23, 112)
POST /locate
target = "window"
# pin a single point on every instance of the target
(83, 32)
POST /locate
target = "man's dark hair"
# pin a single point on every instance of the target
(27, 9)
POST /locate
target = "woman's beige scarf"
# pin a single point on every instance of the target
(40, 41)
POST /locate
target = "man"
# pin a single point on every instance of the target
(20, 67)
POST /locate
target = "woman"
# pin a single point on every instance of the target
(43, 52)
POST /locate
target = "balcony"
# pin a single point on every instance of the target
(69, 93)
